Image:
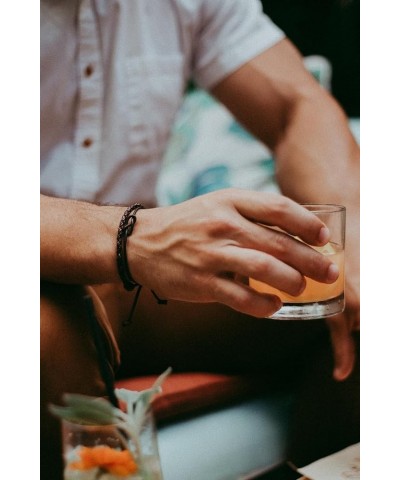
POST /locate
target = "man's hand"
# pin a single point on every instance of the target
(195, 251)
(317, 157)
(342, 326)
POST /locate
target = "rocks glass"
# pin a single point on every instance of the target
(318, 300)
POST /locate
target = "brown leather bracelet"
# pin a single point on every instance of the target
(125, 230)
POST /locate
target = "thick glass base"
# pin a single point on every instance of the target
(310, 311)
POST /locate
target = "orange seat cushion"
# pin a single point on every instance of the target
(185, 393)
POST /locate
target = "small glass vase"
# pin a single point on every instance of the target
(110, 452)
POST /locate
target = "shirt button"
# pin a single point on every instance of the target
(87, 142)
(88, 70)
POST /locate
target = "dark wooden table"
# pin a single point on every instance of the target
(282, 472)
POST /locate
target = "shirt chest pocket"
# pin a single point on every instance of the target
(155, 88)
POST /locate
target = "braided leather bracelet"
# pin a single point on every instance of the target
(125, 230)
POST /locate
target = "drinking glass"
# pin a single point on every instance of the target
(318, 300)
(107, 452)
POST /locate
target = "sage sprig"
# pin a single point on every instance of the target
(88, 410)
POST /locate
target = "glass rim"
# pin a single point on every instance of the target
(324, 207)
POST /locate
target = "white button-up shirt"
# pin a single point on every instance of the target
(113, 73)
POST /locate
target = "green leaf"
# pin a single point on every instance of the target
(84, 415)
(87, 410)
(160, 380)
(100, 405)
(127, 396)
(132, 397)
(66, 413)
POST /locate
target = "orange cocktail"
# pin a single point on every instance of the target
(318, 300)
(314, 291)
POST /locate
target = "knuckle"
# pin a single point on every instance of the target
(210, 259)
(279, 206)
(223, 195)
(218, 293)
(223, 226)
(282, 244)
(258, 266)
(230, 193)
(202, 259)
(206, 286)
(242, 301)
(318, 264)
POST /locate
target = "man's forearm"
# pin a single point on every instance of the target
(282, 104)
(317, 157)
(77, 241)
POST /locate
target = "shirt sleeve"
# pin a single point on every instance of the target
(231, 32)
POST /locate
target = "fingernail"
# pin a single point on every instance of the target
(324, 235)
(333, 272)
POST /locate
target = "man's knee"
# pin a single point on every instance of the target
(67, 352)
(68, 363)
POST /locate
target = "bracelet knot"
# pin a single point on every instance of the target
(125, 230)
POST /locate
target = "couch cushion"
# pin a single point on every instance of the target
(237, 441)
(185, 393)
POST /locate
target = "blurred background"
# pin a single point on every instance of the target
(330, 28)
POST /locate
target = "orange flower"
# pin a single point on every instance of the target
(116, 462)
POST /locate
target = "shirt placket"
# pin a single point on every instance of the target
(86, 168)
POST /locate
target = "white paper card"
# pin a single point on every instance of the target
(343, 465)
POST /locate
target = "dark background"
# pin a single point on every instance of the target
(330, 28)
